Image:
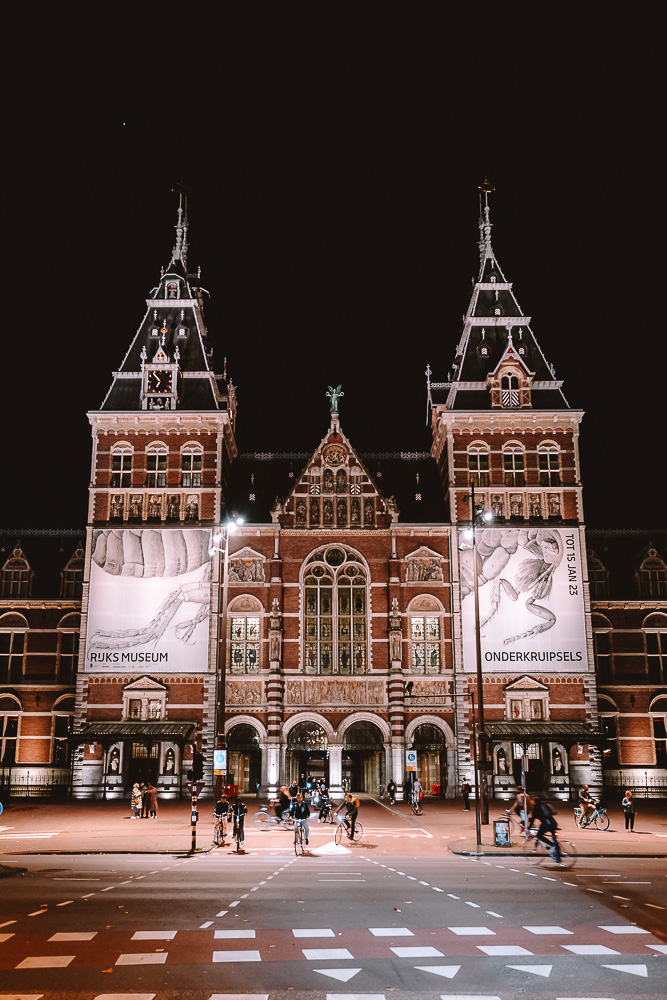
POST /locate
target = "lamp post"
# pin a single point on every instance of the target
(479, 515)
(221, 649)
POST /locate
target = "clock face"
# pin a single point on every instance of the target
(159, 381)
(334, 454)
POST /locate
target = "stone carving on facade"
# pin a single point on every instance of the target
(244, 692)
(335, 692)
(395, 631)
(275, 631)
(246, 566)
(423, 566)
(498, 506)
(422, 689)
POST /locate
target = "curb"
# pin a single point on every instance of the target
(580, 854)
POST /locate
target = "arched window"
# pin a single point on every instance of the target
(509, 388)
(653, 576)
(16, 575)
(658, 710)
(514, 465)
(424, 614)
(602, 630)
(10, 709)
(156, 465)
(71, 578)
(121, 466)
(245, 633)
(655, 630)
(478, 464)
(548, 457)
(172, 289)
(69, 629)
(191, 465)
(63, 712)
(335, 613)
(598, 578)
(13, 628)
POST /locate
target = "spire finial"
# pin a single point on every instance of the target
(485, 220)
(180, 251)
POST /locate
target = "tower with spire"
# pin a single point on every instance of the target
(505, 441)
(163, 445)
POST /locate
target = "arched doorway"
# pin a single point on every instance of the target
(245, 757)
(307, 752)
(363, 758)
(429, 742)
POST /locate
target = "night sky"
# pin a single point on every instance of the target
(337, 234)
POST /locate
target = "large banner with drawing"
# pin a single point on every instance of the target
(150, 597)
(531, 600)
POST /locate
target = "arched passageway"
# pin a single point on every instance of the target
(363, 758)
(245, 757)
(429, 742)
(307, 752)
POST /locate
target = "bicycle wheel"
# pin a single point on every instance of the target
(299, 840)
(534, 850)
(358, 832)
(339, 833)
(568, 854)
(602, 821)
(262, 821)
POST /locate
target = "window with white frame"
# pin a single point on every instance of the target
(514, 465)
(191, 467)
(71, 577)
(145, 701)
(245, 638)
(156, 466)
(527, 700)
(63, 712)
(653, 576)
(13, 628)
(121, 466)
(16, 575)
(335, 613)
(478, 465)
(509, 390)
(425, 643)
(10, 709)
(548, 459)
(69, 629)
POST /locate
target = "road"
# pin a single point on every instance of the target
(393, 915)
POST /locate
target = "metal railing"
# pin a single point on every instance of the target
(644, 786)
(20, 784)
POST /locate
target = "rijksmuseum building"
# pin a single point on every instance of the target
(351, 618)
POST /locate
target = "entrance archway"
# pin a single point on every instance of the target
(363, 758)
(244, 767)
(429, 742)
(307, 752)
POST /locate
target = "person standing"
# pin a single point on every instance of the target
(465, 792)
(135, 800)
(150, 801)
(144, 807)
(629, 810)
(391, 792)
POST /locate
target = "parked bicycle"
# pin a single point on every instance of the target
(598, 816)
(344, 823)
(562, 852)
(264, 820)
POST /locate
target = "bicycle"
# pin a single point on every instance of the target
(343, 821)
(263, 820)
(598, 816)
(328, 812)
(417, 807)
(219, 830)
(537, 852)
(299, 837)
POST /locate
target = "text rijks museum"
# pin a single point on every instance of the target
(350, 618)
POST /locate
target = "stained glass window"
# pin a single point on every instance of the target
(335, 614)
(244, 650)
(425, 636)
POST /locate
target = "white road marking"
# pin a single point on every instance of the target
(476, 905)
(472, 931)
(590, 949)
(73, 936)
(227, 935)
(622, 929)
(435, 889)
(391, 931)
(634, 970)
(142, 958)
(448, 971)
(537, 970)
(492, 913)
(6, 937)
(662, 948)
(342, 975)
(46, 962)
(66, 902)
(503, 949)
(321, 954)
(221, 914)
(236, 956)
(154, 935)
(202, 927)
(417, 952)
(308, 932)
(545, 929)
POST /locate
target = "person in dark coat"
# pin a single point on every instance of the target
(629, 811)
(465, 792)
(391, 792)
(150, 801)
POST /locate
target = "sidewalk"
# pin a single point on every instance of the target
(29, 828)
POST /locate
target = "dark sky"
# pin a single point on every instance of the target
(337, 235)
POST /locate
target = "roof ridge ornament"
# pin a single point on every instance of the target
(485, 249)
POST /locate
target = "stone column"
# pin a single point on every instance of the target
(335, 769)
(274, 698)
(396, 698)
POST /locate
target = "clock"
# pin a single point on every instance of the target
(159, 380)
(334, 454)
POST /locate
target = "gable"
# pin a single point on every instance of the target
(144, 684)
(526, 683)
(335, 490)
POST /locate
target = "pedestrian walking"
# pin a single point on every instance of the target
(144, 808)
(465, 792)
(391, 792)
(150, 801)
(629, 810)
(135, 801)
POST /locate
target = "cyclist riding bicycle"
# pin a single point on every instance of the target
(351, 813)
(220, 813)
(417, 792)
(301, 814)
(586, 803)
(281, 804)
(238, 812)
(543, 814)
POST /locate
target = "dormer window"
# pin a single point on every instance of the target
(653, 576)
(72, 576)
(509, 385)
(172, 289)
(16, 575)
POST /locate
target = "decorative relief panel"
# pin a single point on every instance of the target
(243, 693)
(246, 566)
(423, 566)
(422, 689)
(335, 692)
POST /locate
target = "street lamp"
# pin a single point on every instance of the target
(478, 516)
(221, 544)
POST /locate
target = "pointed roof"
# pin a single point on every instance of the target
(494, 330)
(173, 332)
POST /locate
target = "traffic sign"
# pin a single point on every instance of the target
(411, 760)
(219, 762)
